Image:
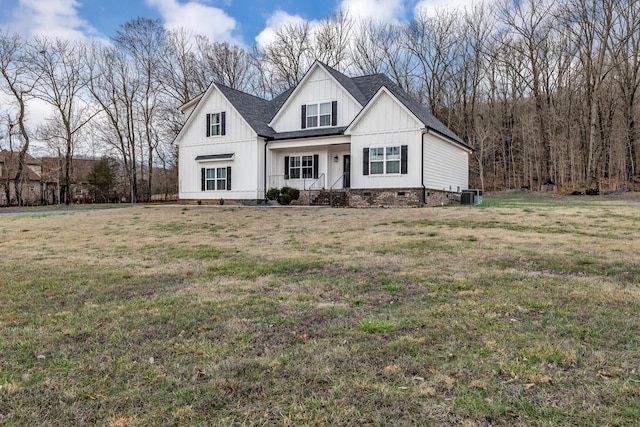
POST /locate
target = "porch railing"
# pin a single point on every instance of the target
(278, 181)
(331, 188)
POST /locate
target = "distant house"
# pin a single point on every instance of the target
(30, 186)
(362, 140)
(53, 178)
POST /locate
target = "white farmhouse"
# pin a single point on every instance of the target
(359, 141)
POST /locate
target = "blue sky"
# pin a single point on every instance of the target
(244, 22)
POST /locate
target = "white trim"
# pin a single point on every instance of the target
(429, 131)
(306, 77)
(198, 107)
(372, 102)
(188, 104)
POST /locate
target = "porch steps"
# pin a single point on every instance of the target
(324, 198)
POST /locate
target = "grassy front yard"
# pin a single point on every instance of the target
(525, 311)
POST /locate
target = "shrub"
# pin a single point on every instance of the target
(273, 193)
(284, 199)
(294, 193)
(221, 201)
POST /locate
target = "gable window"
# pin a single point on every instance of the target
(385, 160)
(216, 179)
(323, 114)
(216, 124)
(301, 167)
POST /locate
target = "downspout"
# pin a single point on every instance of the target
(264, 195)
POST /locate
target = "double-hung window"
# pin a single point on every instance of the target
(300, 167)
(319, 115)
(216, 124)
(385, 160)
(322, 114)
(216, 179)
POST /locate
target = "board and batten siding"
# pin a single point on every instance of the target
(446, 166)
(239, 140)
(318, 87)
(386, 123)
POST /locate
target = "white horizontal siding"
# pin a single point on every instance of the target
(319, 86)
(446, 167)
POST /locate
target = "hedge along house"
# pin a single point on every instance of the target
(359, 141)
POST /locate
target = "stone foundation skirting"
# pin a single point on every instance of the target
(357, 198)
(387, 197)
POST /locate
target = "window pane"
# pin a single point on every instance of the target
(312, 122)
(312, 110)
(307, 160)
(222, 172)
(325, 120)
(294, 162)
(325, 108)
(215, 124)
(376, 168)
(222, 184)
(393, 153)
(376, 154)
(294, 173)
(393, 166)
(307, 172)
(211, 173)
(211, 185)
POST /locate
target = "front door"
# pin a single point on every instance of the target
(346, 167)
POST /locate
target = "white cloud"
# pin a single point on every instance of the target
(198, 18)
(429, 7)
(378, 10)
(278, 20)
(51, 18)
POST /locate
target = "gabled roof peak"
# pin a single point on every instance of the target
(259, 112)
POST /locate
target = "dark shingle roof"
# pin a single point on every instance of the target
(256, 111)
(370, 85)
(259, 112)
(308, 133)
(215, 157)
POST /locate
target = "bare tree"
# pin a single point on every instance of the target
(331, 40)
(366, 50)
(433, 42)
(18, 84)
(530, 23)
(112, 84)
(625, 48)
(283, 62)
(226, 64)
(590, 23)
(144, 40)
(59, 68)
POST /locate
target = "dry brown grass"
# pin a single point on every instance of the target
(521, 312)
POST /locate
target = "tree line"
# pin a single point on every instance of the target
(545, 92)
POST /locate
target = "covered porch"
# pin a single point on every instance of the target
(309, 164)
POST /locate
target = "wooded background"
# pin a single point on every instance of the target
(546, 92)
